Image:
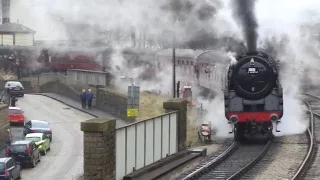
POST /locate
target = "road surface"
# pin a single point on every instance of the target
(65, 159)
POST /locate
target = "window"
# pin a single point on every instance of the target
(40, 125)
(2, 167)
(33, 146)
(14, 111)
(19, 148)
(44, 136)
(34, 139)
(10, 163)
(28, 123)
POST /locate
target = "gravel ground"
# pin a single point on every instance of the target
(283, 159)
(314, 171)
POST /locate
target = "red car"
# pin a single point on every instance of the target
(16, 116)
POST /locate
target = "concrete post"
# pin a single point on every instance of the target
(99, 143)
(181, 106)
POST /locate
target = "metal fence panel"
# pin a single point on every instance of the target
(89, 77)
(131, 148)
(142, 143)
(141, 137)
(120, 152)
(173, 133)
(165, 136)
(157, 139)
(149, 141)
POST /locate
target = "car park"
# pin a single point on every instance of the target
(9, 169)
(15, 88)
(25, 152)
(16, 116)
(41, 140)
(38, 126)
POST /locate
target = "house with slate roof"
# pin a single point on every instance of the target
(16, 34)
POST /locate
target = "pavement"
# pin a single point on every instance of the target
(77, 105)
(65, 159)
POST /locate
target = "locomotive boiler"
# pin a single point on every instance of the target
(253, 95)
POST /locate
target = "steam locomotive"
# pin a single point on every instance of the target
(253, 95)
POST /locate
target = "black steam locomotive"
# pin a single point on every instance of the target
(253, 95)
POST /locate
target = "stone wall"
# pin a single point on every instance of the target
(112, 102)
(99, 142)
(99, 148)
(104, 99)
(4, 122)
(181, 106)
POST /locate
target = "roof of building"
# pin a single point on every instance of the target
(15, 28)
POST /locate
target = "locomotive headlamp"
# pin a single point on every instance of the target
(252, 62)
(274, 117)
(234, 119)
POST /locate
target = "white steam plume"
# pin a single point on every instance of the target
(282, 18)
(286, 18)
(64, 19)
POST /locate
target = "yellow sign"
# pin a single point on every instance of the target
(132, 112)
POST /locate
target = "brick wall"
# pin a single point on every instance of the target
(99, 145)
(4, 122)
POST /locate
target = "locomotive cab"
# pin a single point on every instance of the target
(253, 96)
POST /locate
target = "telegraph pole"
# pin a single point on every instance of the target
(174, 66)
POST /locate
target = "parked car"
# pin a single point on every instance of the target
(15, 88)
(37, 126)
(16, 116)
(41, 140)
(25, 152)
(9, 169)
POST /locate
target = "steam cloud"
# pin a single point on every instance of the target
(244, 13)
(290, 30)
(64, 20)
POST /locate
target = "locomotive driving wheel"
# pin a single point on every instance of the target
(238, 132)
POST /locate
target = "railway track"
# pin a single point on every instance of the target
(238, 159)
(312, 161)
(232, 163)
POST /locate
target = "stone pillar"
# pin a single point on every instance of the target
(99, 149)
(181, 106)
(4, 122)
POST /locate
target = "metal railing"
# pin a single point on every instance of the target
(142, 143)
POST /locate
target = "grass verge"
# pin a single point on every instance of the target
(151, 105)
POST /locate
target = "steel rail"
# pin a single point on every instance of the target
(312, 147)
(245, 169)
(213, 162)
(223, 156)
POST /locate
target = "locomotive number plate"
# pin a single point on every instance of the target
(252, 70)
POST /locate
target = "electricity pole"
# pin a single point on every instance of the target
(174, 66)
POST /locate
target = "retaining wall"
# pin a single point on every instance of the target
(105, 99)
(4, 122)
